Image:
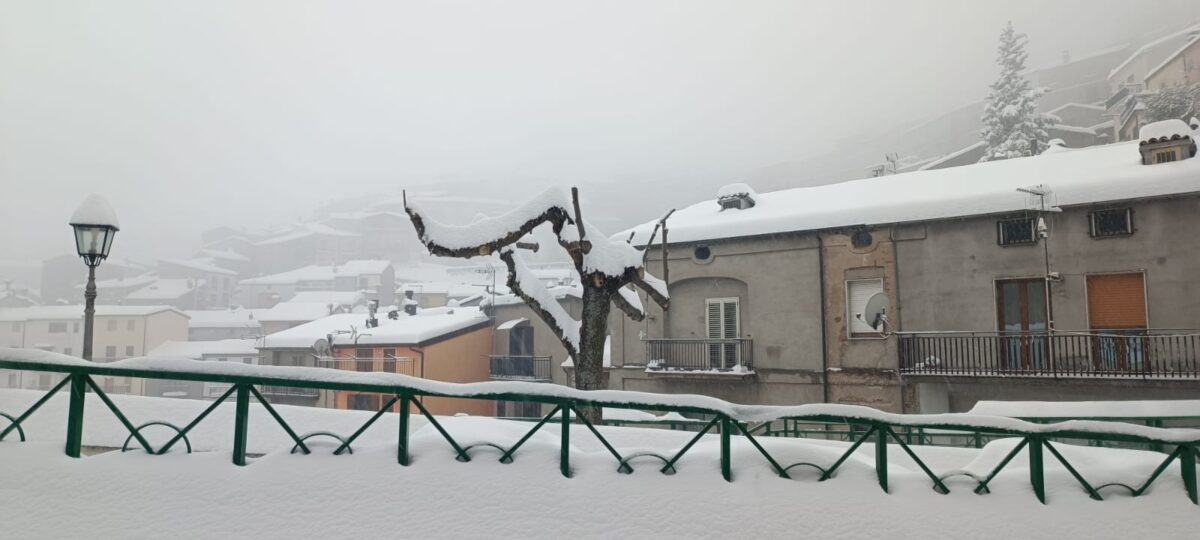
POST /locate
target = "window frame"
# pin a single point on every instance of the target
(1093, 223)
(850, 333)
(1001, 237)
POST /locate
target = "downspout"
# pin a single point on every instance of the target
(824, 343)
(900, 321)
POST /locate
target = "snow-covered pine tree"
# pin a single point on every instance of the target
(1011, 120)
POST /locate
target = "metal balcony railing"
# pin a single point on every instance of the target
(403, 365)
(728, 420)
(720, 355)
(520, 368)
(289, 391)
(1091, 354)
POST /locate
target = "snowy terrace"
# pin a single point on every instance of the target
(457, 485)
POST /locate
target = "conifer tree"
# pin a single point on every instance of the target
(1011, 120)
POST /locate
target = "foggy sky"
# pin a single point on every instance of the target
(192, 114)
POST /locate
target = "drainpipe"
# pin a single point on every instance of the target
(824, 343)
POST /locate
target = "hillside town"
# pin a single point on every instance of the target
(1011, 280)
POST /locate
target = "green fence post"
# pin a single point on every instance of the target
(1037, 471)
(1187, 467)
(241, 420)
(564, 456)
(75, 414)
(1155, 447)
(726, 428)
(402, 448)
(881, 459)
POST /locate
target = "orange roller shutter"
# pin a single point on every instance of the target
(1116, 301)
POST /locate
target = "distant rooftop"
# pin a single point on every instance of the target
(427, 325)
(72, 312)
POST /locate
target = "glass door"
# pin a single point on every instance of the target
(1022, 317)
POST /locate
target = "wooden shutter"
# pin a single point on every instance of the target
(714, 319)
(1116, 301)
(722, 318)
(857, 294)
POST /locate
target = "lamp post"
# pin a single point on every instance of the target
(95, 225)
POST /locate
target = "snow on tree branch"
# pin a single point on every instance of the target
(526, 285)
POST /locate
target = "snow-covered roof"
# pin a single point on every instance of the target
(166, 289)
(197, 350)
(314, 272)
(933, 164)
(512, 323)
(223, 318)
(557, 292)
(452, 290)
(72, 312)
(1181, 34)
(1084, 176)
(364, 267)
(95, 210)
(295, 311)
(201, 264)
(1164, 130)
(224, 254)
(425, 326)
(124, 283)
(340, 298)
(305, 231)
(1171, 57)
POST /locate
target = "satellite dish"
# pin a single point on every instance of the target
(322, 349)
(875, 312)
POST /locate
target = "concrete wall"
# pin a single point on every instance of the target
(777, 283)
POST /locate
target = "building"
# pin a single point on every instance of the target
(1052, 277)
(445, 344)
(524, 348)
(218, 324)
(63, 277)
(215, 284)
(119, 332)
(180, 293)
(286, 315)
(376, 278)
(306, 244)
(225, 350)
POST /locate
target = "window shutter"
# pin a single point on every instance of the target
(714, 319)
(857, 294)
(730, 319)
(1116, 301)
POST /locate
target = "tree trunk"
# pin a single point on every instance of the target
(589, 366)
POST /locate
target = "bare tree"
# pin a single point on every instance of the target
(609, 272)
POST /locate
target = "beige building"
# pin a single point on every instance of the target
(119, 332)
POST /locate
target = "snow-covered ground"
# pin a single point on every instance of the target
(367, 494)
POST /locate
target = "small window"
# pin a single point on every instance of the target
(110, 352)
(702, 254)
(1115, 222)
(112, 325)
(857, 293)
(128, 350)
(58, 327)
(861, 238)
(364, 359)
(1015, 232)
(1164, 156)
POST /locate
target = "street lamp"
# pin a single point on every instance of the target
(95, 225)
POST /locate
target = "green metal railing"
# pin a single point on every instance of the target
(728, 420)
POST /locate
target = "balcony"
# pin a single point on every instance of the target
(1145, 354)
(393, 364)
(716, 356)
(289, 391)
(520, 368)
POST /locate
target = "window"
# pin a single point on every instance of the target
(1014, 232)
(364, 402)
(110, 352)
(702, 254)
(364, 359)
(858, 291)
(112, 325)
(1164, 156)
(724, 323)
(58, 327)
(128, 351)
(131, 324)
(1115, 222)
(861, 239)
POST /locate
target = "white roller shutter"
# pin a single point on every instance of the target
(857, 294)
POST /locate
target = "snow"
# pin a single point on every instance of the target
(1083, 176)
(1090, 409)
(736, 190)
(533, 288)
(296, 311)
(222, 318)
(197, 350)
(364, 267)
(610, 398)
(337, 298)
(510, 324)
(122, 495)
(426, 325)
(74, 312)
(200, 264)
(1171, 57)
(225, 254)
(314, 272)
(166, 289)
(1164, 130)
(95, 210)
(558, 292)
(305, 231)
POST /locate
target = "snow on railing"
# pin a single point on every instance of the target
(727, 419)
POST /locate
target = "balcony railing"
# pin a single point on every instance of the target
(715, 355)
(392, 364)
(1096, 354)
(520, 368)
